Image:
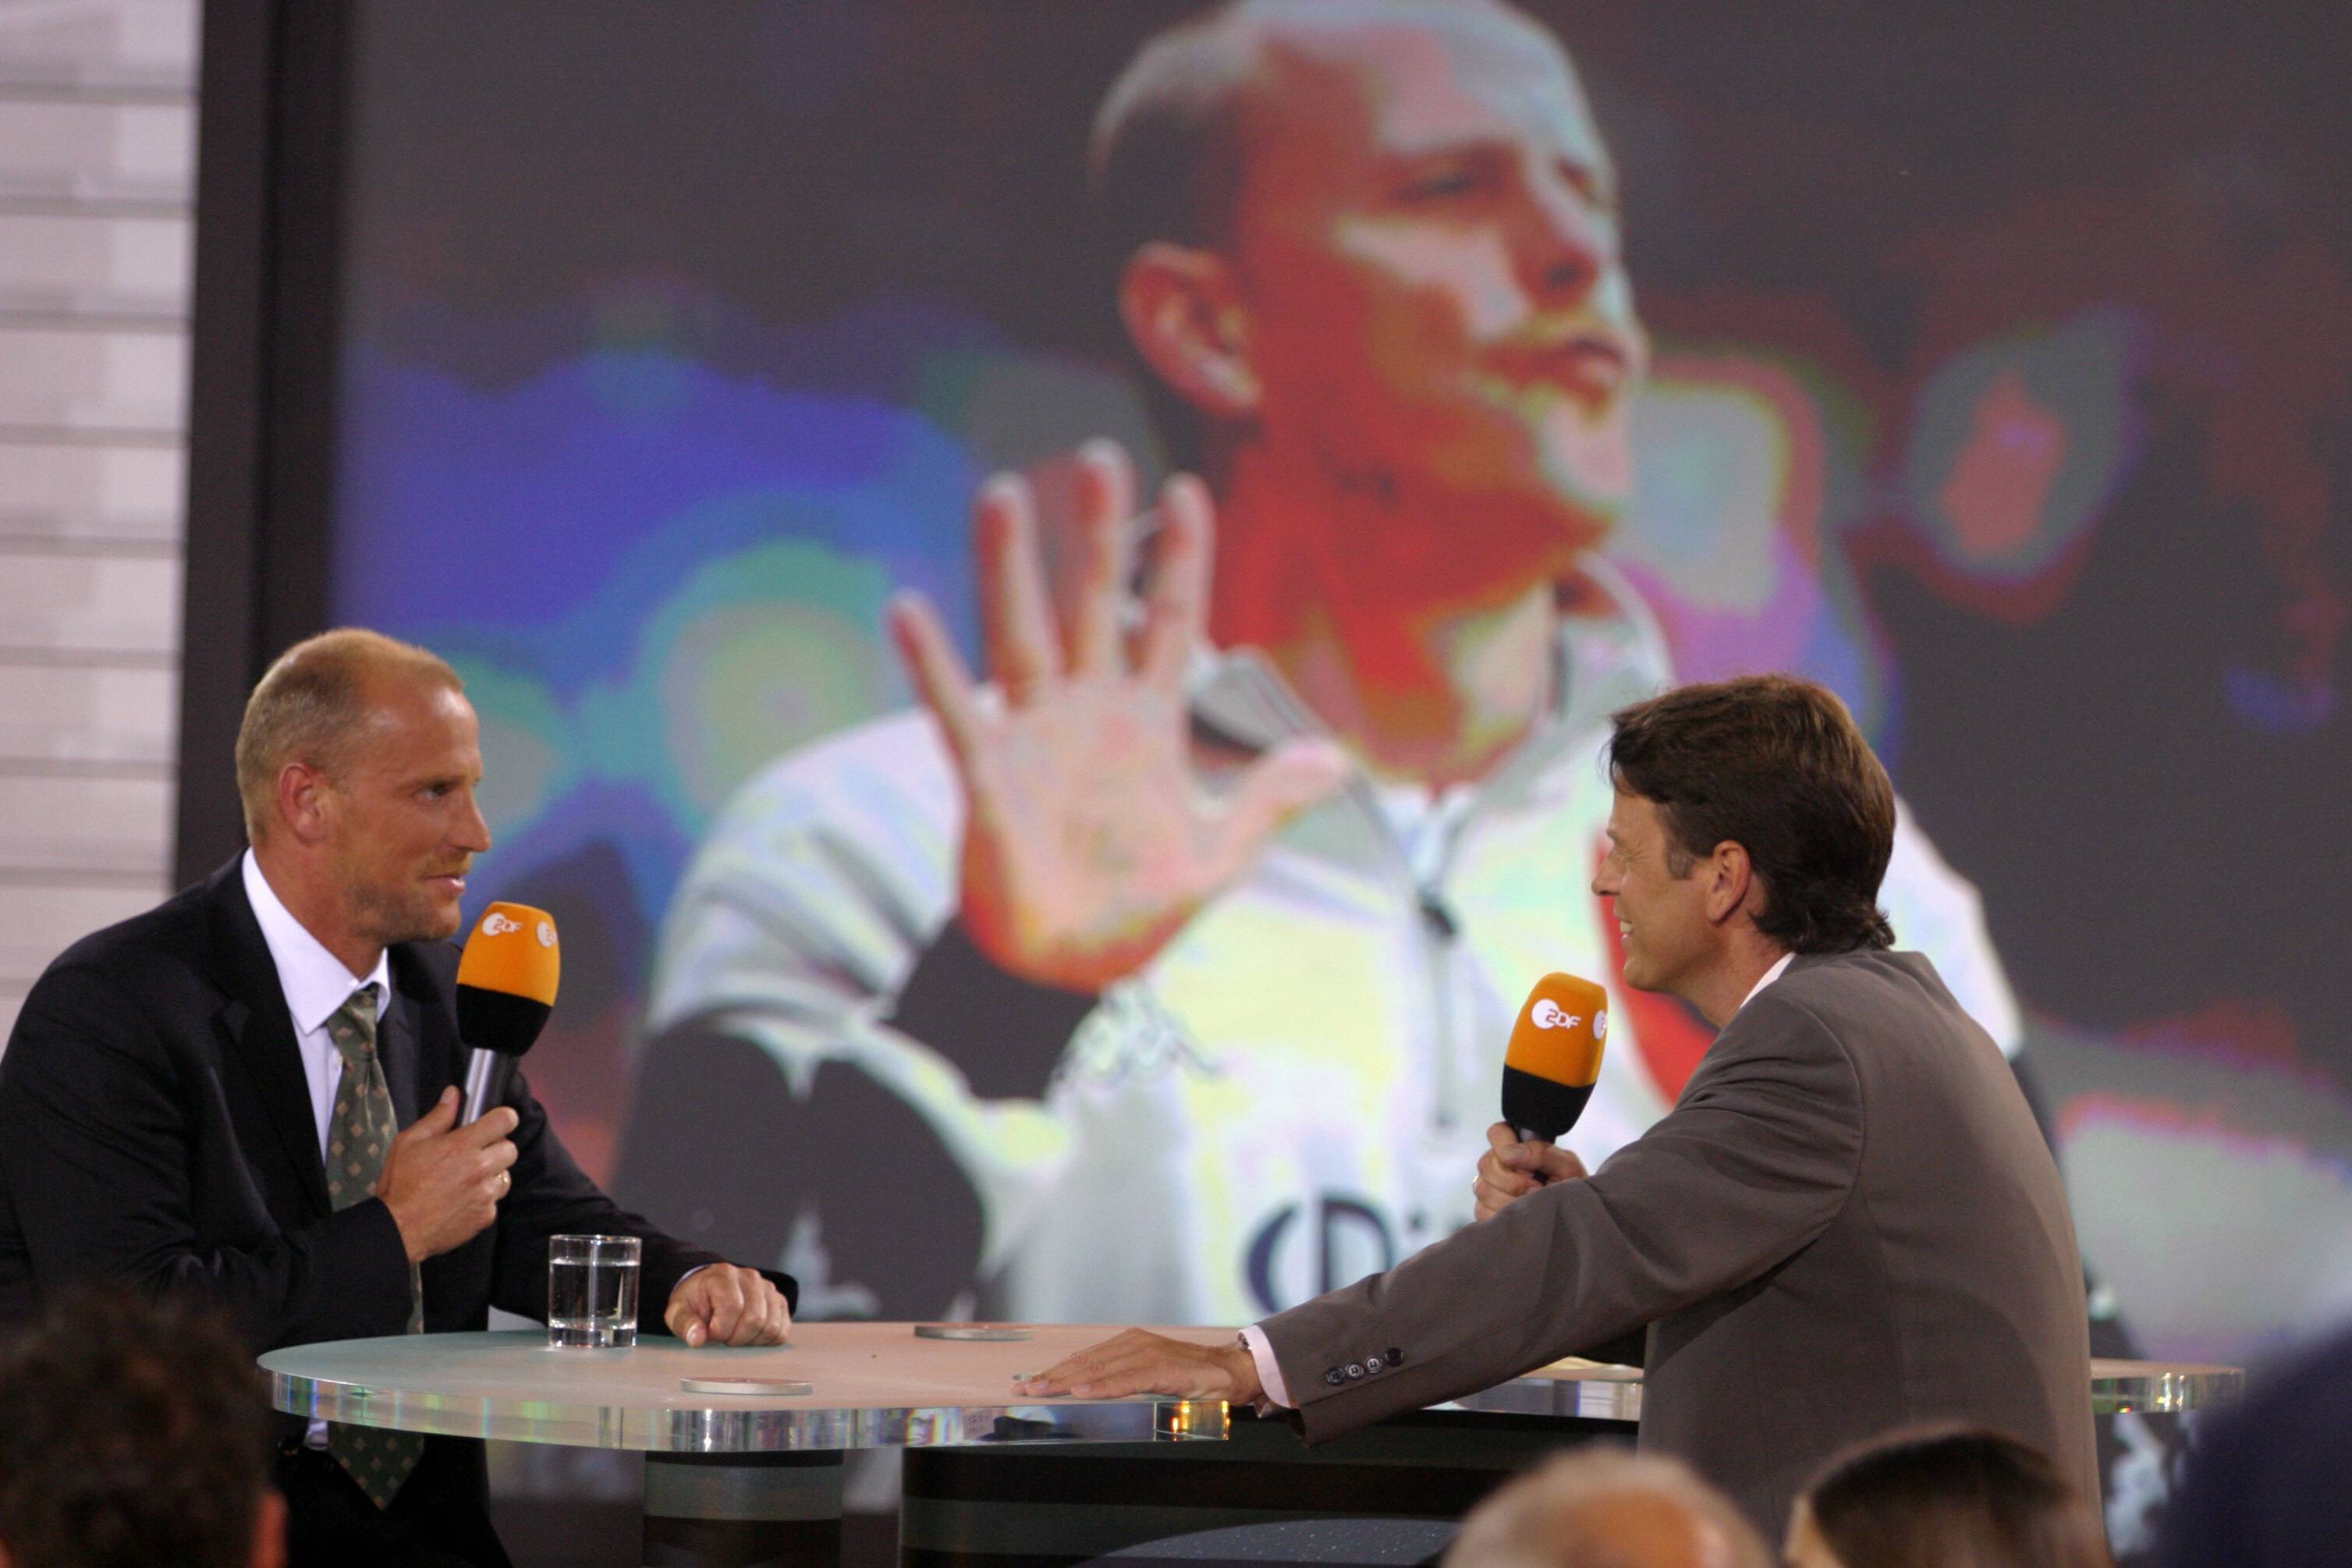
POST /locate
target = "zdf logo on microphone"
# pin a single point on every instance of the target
(1546, 1014)
(497, 924)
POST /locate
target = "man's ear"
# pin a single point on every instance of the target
(1731, 883)
(1186, 317)
(304, 807)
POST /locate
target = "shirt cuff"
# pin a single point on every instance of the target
(1269, 1372)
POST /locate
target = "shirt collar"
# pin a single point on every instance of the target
(314, 980)
(1777, 969)
(1605, 656)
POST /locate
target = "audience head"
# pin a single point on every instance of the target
(1603, 1508)
(135, 1436)
(1944, 1497)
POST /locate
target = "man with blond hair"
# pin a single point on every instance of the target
(174, 1083)
(1603, 1508)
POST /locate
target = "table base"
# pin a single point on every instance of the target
(742, 1510)
(1043, 1506)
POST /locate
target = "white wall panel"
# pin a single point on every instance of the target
(106, 263)
(97, 152)
(85, 495)
(84, 606)
(115, 826)
(149, 44)
(100, 151)
(100, 383)
(54, 717)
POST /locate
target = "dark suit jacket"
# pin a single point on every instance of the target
(155, 1125)
(1848, 1222)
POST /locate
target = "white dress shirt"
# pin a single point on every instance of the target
(315, 984)
(1780, 967)
(1261, 1349)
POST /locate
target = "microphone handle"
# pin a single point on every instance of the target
(488, 1076)
(1530, 1135)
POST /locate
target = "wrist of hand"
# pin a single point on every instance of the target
(1242, 1367)
(412, 1236)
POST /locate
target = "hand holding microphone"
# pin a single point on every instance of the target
(1511, 1170)
(442, 1181)
(1548, 1071)
(446, 1173)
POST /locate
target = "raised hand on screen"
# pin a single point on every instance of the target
(1087, 839)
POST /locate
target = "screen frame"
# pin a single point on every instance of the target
(263, 368)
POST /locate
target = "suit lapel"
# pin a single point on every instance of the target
(261, 1032)
(421, 1057)
(397, 1045)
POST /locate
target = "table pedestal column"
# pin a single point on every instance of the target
(742, 1510)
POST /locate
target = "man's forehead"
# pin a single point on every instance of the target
(1435, 83)
(1629, 813)
(404, 714)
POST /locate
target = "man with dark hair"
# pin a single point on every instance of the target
(1934, 1496)
(1776, 767)
(135, 1436)
(176, 1085)
(1848, 1222)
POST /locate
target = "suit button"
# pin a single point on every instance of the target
(1335, 1377)
(1396, 1356)
(1356, 1369)
(1372, 1363)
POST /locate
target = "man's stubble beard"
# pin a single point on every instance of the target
(388, 918)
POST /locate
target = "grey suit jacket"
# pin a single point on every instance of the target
(1848, 1222)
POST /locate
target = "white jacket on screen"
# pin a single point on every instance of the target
(1295, 1091)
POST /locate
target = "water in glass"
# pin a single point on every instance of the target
(592, 1291)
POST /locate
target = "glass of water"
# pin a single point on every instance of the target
(592, 1291)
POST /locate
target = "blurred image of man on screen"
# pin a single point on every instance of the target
(1167, 974)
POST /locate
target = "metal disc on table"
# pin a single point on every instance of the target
(972, 1332)
(782, 1387)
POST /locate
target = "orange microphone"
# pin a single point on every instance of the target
(506, 989)
(1554, 1057)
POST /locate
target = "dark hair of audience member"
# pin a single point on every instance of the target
(134, 1434)
(1950, 1498)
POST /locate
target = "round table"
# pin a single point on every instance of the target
(1601, 1391)
(729, 1479)
(739, 1480)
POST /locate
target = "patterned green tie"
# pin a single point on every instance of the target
(359, 1135)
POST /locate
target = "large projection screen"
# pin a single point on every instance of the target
(2001, 378)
